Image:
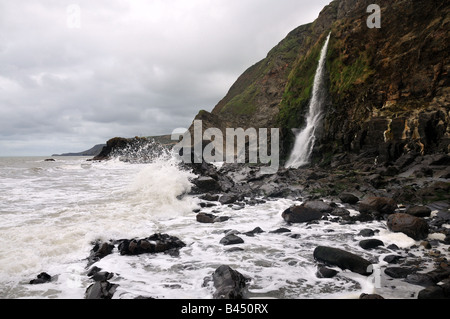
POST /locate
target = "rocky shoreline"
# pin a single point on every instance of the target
(411, 196)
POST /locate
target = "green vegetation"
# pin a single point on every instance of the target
(347, 70)
(298, 89)
(244, 103)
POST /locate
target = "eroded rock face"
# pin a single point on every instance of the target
(414, 227)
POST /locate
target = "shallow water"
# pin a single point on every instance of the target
(52, 212)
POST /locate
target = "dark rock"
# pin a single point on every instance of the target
(366, 232)
(419, 211)
(301, 214)
(93, 271)
(229, 283)
(441, 160)
(280, 231)
(101, 290)
(348, 198)
(370, 243)
(432, 292)
(341, 212)
(228, 199)
(156, 243)
(231, 239)
(393, 247)
(324, 272)
(377, 206)
(210, 197)
(414, 227)
(206, 184)
(206, 218)
(318, 205)
(398, 272)
(252, 233)
(392, 259)
(42, 278)
(420, 280)
(99, 251)
(370, 296)
(234, 249)
(102, 276)
(342, 259)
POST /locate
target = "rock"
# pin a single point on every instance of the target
(206, 184)
(370, 243)
(318, 205)
(93, 271)
(392, 259)
(348, 198)
(370, 296)
(342, 259)
(102, 276)
(42, 278)
(156, 243)
(420, 280)
(252, 233)
(206, 218)
(377, 206)
(301, 214)
(366, 232)
(231, 239)
(101, 290)
(228, 199)
(419, 211)
(432, 292)
(99, 251)
(398, 272)
(441, 160)
(280, 231)
(414, 227)
(324, 272)
(210, 197)
(229, 283)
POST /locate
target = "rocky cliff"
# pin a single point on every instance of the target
(387, 87)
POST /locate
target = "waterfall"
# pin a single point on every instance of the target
(305, 139)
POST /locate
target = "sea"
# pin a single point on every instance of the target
(52, 213)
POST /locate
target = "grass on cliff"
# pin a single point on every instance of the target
(298, 89)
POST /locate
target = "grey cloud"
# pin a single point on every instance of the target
(132, 68)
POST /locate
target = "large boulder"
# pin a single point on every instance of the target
(343, 259)
(229, 283)
(301, 214)
(377, 206)
(414, 227)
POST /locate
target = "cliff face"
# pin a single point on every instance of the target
(387, 87)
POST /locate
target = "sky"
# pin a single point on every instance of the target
(75, 74)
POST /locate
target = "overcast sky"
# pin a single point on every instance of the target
(75, 74)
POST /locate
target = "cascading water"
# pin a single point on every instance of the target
(305, 139)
